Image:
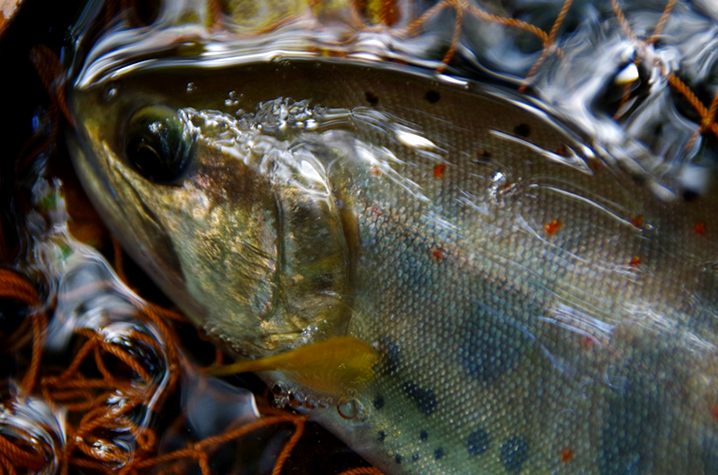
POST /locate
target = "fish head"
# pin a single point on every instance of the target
(243, 236)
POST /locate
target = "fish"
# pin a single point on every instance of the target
(508, 299)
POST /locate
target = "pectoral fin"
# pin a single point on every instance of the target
(329, 366)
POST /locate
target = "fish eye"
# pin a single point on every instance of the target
(158, 144)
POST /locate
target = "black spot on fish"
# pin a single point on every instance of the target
(689, 195)
(371, 98)
(397, 458)
(638, 412)
(522, 130)
(514, 453)
(425, 399)
(389, 357)
(423, 435)
(638, 179)
(478, 442)
(439, 453)
(378, 402)
(483, 156)
(492, 341)
(432, 97)
(382, 436)
(415, 457)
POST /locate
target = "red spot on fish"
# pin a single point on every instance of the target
(637, 221)
(437, 254)
(563, 151)
(375, 170)
(587, 341)
(567, 455)
(596, 165)
(553, 227)
(635, 261)
(700, 228)
(483, 154)
(714, 411)
(439, 170)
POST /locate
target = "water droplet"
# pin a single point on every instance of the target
(280, 402)
(349, 408)
(232, 99)
(310, 402)
(296, 399)
(110, 93)
(280, 389)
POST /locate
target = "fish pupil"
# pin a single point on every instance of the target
(158, 144)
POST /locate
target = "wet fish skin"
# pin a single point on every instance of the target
(534, 310)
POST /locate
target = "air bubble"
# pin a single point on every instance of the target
(281, 402)
(349, 408)
(191, 87)
(310, 402)
(296, 399)
(280, 389)
(110, 93)
(232, 99)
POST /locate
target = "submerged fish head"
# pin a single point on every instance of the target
(247, 241)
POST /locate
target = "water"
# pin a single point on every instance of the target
(606, 77)
(609, 82)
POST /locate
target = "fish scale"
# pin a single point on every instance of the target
(524, 322)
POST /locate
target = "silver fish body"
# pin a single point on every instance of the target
(534, 310)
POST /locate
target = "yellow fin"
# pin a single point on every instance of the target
(329, 366)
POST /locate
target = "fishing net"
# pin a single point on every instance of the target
(94, 365)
